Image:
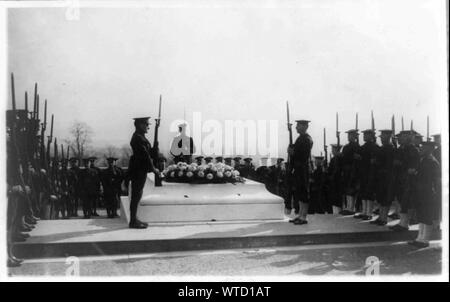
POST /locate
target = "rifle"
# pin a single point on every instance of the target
(289, 165)
(338, 134)
(403, 125)
(49, 142)
(394, 139)
(356, 127)
(156, 160)
(372, 121)
(428, 129)
(325, 150)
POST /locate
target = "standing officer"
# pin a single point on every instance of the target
(91, 186)
(96, 201)
(237, 163)
(408, 160)
(334, 176)
(228, 161)
(437, 150)
(182, 146)
(300, 153)
(247, 170)
(427, 194)
(74, 186)
(199, 159)
(140, 164)
(368, 174)
(350, 168)
(112, 179)
(385, 176)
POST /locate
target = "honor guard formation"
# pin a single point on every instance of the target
(397, 177)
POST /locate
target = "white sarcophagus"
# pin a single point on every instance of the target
(182, 202)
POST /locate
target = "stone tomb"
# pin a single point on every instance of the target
(181, 202)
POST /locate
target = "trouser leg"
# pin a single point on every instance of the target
(137, 186)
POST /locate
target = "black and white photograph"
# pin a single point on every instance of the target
(224, 140)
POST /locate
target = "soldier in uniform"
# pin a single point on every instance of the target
(408, 160)
(199, 160)
(427, 194)
(300, 154)
(237, 162)
(182, 146)
(350, 171)
(64, 197)
(112, 178)
(247, 169)
(318, 203)
(228, 161)
(96, 202)
(91, 186)
(140, 164)
(74, 186)
(437, 155)
(437, 150)
(280, 177)
(385, 176)
(262, 172)
(418, 139)
(367, 171)
(334, 176)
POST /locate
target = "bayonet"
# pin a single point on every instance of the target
(373, 121)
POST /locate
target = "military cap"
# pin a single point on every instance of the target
(92, 158)
(227, 158)
(302, 122)
(436, 135)
(199, 157)
(406, 132)
(208, 158)
(370, 131)
(111, 158)
(417, 134)
(219, 158)
(248, 159)
(386, 132)
(352, 131)
(280, 159)
(73, 159)
(141, 119)
(237, 158)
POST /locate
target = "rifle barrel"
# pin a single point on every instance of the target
(13, 93)
(51, 128)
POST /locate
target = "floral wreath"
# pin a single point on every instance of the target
(208, 173)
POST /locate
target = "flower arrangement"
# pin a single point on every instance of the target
(201, 174)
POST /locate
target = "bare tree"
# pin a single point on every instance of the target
(81, 136)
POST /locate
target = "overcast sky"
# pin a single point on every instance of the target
(234, 62)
